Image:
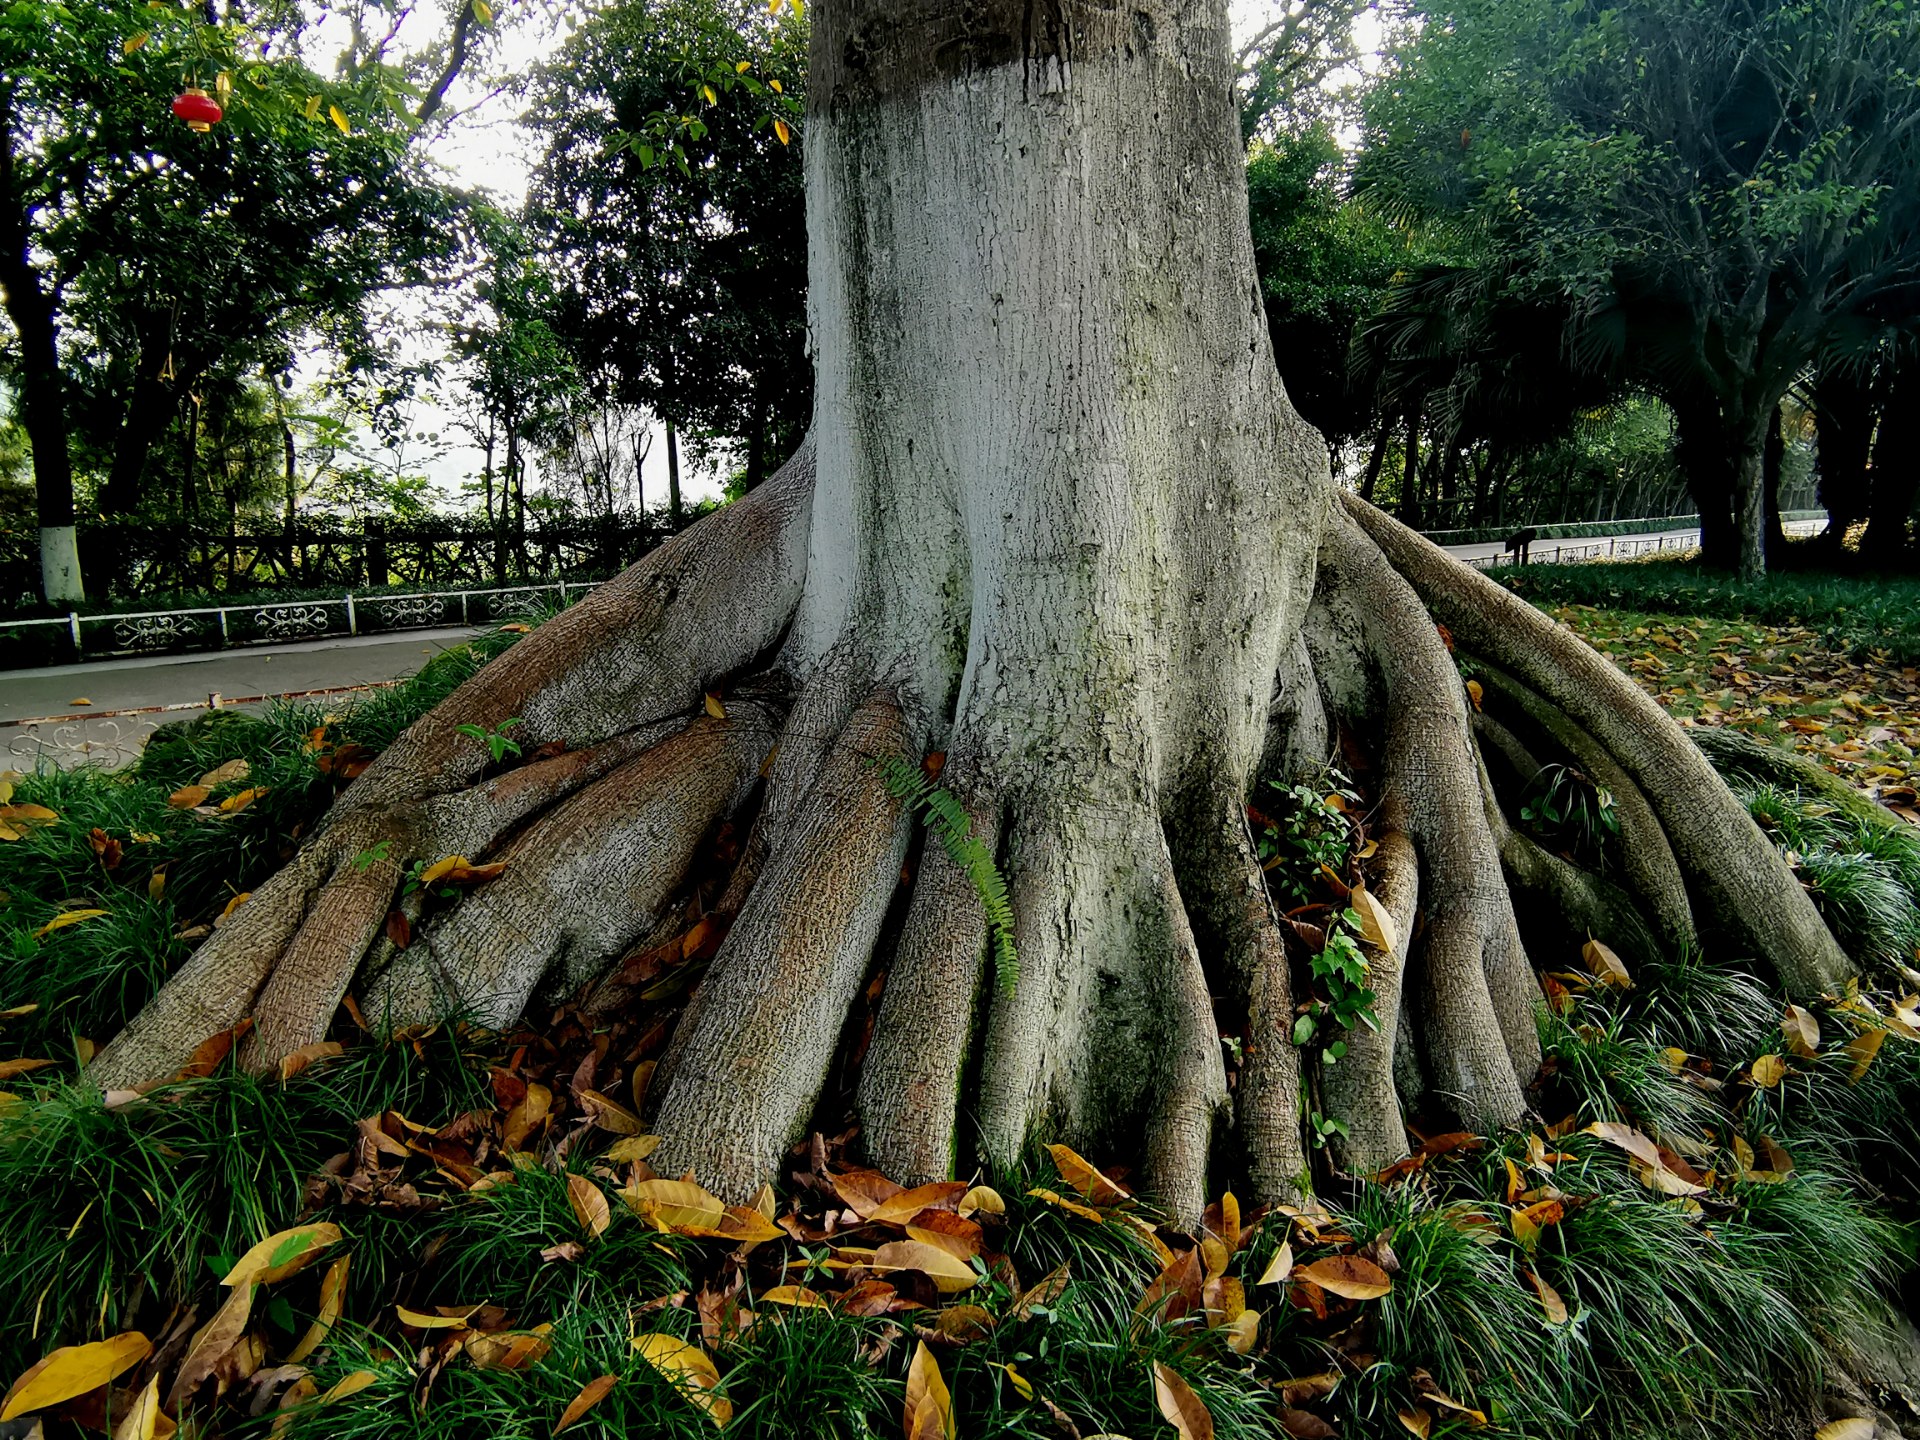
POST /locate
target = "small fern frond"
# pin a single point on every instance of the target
(940, 811)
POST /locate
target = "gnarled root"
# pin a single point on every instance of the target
(1647, 861)
(604, 678)
(930, 1012)
(1360, 1087)
(1744, 883)
(754, 1045)
(1477, 992)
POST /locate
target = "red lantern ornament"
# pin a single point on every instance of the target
(197, 108)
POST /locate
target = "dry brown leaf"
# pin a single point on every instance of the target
(1349, 1276)
(632, 1148)
(690, 1371)
(1852, 1428)
(225, 774)
(1072, 1207)
(589, 1203)
(284, 1254)
(982, 1200)
(674, 1204)
(11, 1068)
(74, 1370)
(1861, 1050)
(511, 1350)
(591, 1394)
(62, 921)
(1415, 1420)
(1550, 1300)
(1377, 926)
(864, 1191)
(296, 1061)
(526, 1118)
(797, 1297)
(1080, 1174)
(211, 1344)
(1181, 1407)
(899, 1209)
(1042, 1293)
(349, 1384)
(1768, 1071)
(421, 1320)
(141, 1419)
(241, 799)
(1607, 967)
(1625, 1137)
(1802, 1030)
(929, 1408)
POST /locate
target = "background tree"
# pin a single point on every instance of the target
(152, 256)
(674, 223)
(1716, 192)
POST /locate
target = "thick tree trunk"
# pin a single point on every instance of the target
(1749, 435)
(43, 414)
(1058, 526)
(149, 408)
(673, 476)
(1702, 448)
(1896, 466)
(1843, 413)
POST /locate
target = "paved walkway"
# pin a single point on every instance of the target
(125, 695)
(129, 697)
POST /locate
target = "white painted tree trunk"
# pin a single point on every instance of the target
(1063, 509)
(60, 581)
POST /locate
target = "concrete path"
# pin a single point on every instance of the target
(128, 695)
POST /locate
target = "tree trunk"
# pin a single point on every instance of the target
(1410, 472)
(1896, 466)
(1702, 449)
(1773, 462)
(1843, 413)
(673, 477)
(149, 408)
(43, 414)
(1058, 526)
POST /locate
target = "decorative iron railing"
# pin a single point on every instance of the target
(65, 639)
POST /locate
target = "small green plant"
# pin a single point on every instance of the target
(1568, 811)
(1309, 831)
(941, 811)
(371, 856)
(499, 744)
(1324, 1127)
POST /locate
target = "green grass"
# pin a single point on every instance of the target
(1860, 615)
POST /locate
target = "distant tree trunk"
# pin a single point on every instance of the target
(1896, 466)
(43, 414)
(190, 459)
(1773, 461)
(149, 409)
(1843, 415)
(673, 477)
(1702, 451)
(1374, 460)
(1410, 475)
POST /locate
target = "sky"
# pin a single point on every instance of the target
(488, 149)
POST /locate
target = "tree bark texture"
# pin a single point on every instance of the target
(1058, 526)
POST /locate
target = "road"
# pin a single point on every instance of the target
(39, 724)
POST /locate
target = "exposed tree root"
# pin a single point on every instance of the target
(910, 1084)
(1360, 1087)
(1143, 921)
(1774, 765)
(1477, 991)
(1745, 885)
(1234, 914)
(1647, 862)
(582, 884)
(754, 1045)
(1568, 899)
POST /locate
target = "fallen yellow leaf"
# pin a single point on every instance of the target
(74, 1370)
